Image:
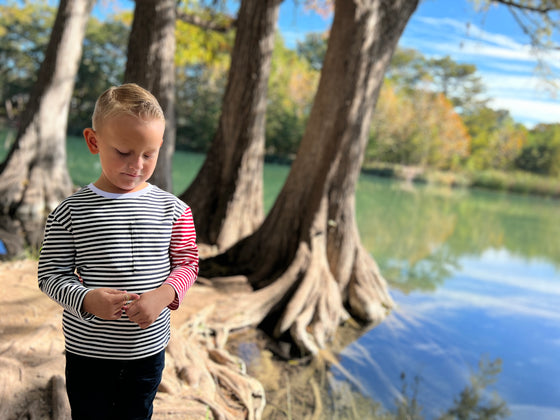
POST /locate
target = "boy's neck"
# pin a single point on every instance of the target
(112, 194)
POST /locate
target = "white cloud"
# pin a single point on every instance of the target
(505, 305)
(523, 411)
(506, 66)
(526, 285)
(528, 111)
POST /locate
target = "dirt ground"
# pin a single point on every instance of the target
(201, 379)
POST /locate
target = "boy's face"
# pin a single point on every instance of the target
(128, 149)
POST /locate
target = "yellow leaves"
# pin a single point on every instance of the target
(24, 14)
(198, 46)
(292, 81)
(417, 128)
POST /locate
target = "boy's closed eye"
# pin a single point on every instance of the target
(148, 155)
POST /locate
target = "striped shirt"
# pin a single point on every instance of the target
(134, 242)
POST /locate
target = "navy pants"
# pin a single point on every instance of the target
(113, 389)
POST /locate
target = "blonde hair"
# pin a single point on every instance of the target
(127, 99)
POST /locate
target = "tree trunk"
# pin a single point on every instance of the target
(34, 178)
(150, 63)
(306, 259)
(226, 195)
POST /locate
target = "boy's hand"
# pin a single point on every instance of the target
(145, 310)
(107, 303)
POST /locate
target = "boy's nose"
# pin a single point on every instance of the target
(136, 163)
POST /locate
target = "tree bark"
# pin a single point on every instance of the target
(34, 178)
(150, 63)
(226, 195)
(306, 259)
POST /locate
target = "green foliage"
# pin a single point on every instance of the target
(201, 64)
(24, 29)
(416, 128)
(197, 46)
(496, 139)
(516, 181)
(313, 49)
(291, 89)
(407, 69)
(198, 107)
(458, 82)
(410, 71)
(102, 65)
(541, 154)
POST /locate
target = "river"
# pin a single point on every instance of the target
(475, 278)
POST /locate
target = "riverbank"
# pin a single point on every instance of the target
(494, 180)
(208, 375)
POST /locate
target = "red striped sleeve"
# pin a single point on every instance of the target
(184, 257)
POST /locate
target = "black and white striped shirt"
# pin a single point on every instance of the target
(133, 242)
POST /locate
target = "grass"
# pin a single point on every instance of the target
(510, 181)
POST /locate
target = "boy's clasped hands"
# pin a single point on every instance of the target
(109, 304)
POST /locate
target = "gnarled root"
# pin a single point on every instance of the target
(311, 299)
(368, 294)
(315, 311)
(210, 382)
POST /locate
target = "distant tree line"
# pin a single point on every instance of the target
(431, 113)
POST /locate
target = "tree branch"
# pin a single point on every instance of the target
(210, 25)
(519, 5)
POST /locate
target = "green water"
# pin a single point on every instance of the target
(475, 276)
(417, 234)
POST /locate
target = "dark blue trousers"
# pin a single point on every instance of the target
(113, 389)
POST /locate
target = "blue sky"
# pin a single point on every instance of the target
(491, 40)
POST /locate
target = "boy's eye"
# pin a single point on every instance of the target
(122, 153)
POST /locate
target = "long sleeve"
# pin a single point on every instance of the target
(57, 277)
(184, 257)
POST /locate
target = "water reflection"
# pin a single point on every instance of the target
(473, 273)
(418, 236)
(325, 389)
(496, 304)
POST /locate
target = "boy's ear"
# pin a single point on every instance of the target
(91, 140)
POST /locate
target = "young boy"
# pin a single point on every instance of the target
(117, 256)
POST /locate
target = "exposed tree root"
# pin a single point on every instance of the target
(368, 293)
(307, 300)
(201, 379)
(209, 375)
